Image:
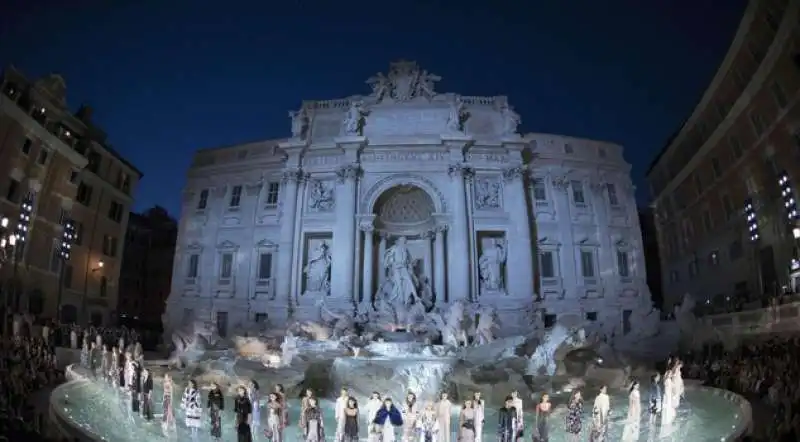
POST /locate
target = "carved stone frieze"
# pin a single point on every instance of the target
(321, 195)
(488, 193)
(401, 156)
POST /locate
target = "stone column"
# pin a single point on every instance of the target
(344, 235)
(519, 259)
(367, 227)
(286, 244)
(428, 268)
(439, 266)
(457, 238)
(381, 254)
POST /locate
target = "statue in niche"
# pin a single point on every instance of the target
(487, 194)
(353, 123)
(399, 266)
(300, 122)
(321, 198)
(490, 265)
(511, 120)
(318, 270)
(458, 116)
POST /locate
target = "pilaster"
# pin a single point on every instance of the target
(344, 235)
(459, 268)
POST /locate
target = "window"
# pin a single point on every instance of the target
(13, 191)
(103, 286)
(758, 122)
(568, 148)
(587, 264)
(194, 264)
(539, 190)
(779, 95)
(713, 259)
(115, 211)
(577, 192)
(226, 266)
(93, 163)
(716, 167)
(547, 264)
(735, 250)
(265, 266)
(273, 190)
(261, 318)
(236, 197)
(736, 147)
(623, 265)
(55, 256)
(73, 176)
(727, 206)
(84, 194)
(202, 201)
(44, 154)
(78, 239)
(550, 320)
(708, 223)
(26, 146)
(613, 199)
(591, 316)
(110, 245)
(67, 281)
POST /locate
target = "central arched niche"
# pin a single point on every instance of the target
(404, 210)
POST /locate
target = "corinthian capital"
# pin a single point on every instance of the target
(460, 169)
(292, 175)
(513, 173)
(349, 171)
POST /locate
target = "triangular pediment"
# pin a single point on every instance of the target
(227, 245)
(194, 245)
(266, 244)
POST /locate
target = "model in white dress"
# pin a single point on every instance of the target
(443, 409)
(632, 424)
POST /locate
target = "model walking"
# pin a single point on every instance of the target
(215, 405)
(543, 410)
(574, 418)
(311, 421)
(190, 402)
(466, 422)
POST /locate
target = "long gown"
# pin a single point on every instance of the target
(313, 428)
(338, 413)
(443, 416)
(275, 425)
(600, 412)
(386, 421)
(466, 425)
(410, 415)
(542, 426)
(480, 412)
(520, 417)
(350, 425)
(372, 407)
(573, 422)
(167, 415)
(632, 425)
(216, 404)
(243, 409)
(507, 424)
(428, 427)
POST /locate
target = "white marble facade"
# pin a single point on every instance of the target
(533, 225)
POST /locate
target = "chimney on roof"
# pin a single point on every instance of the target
(84, 114)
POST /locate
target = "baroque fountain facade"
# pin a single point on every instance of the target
(409, 240)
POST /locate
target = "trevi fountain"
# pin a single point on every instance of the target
(409, 241)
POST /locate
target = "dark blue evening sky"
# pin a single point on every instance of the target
(168, 77)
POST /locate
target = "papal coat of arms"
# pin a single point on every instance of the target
(404, 82)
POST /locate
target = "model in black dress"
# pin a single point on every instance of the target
(351, 421)
(215, 405)
(243, 409)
